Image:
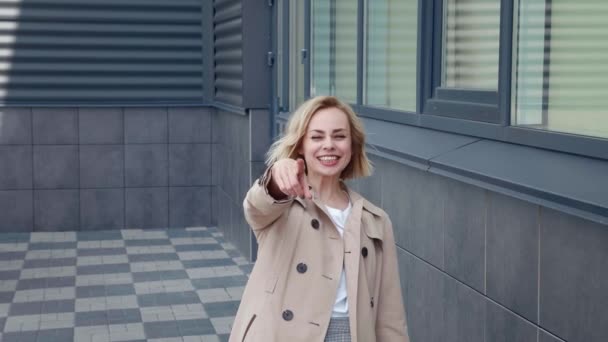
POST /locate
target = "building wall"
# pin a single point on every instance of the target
(477, 265)
(240, 141)
(105, 168)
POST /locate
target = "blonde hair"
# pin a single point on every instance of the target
(288, 145)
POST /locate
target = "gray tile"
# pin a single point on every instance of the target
(17, 211)
(190, 125)
(102, 251)
(101, 166)
(27, 308)
(42, 307)
(147, 242)
(56, 210)
(109, 317)
(16, 167)
(423, 289)
(158, 330)
(425, 232)
(56, 167)
(101, 125)
(260, 134)
(246, 268)
(90, 318)
(194, 327)
(464, 313)
(190, 164)
(101, 235)
(190, 206)
(55, 125)
(54, 262)
(179, 233)
(208, 263)
(146, 165)
(198, 247)
(104, 290)
(465, 213)
(504, 326)
(512, 254)
(153, 257)
(103, 269)
(166, 299)
(42, 283)
(6, 297)
(12, 255)
(573, 277)
(219, 282)
(102, 209)
(52, 245)
(147, 207)
(547, 337)
(22, 336)
(16, 126)
(54, 335)
(393, 188)
(221, 309)
(139, 277)
(145, 125)
(124, 316)
(57, 306)
(14, 237)
(9, 275)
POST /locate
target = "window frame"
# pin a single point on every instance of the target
(483, 114)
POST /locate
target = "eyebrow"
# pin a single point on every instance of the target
(334, 131)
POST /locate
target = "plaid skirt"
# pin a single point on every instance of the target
(338, 330)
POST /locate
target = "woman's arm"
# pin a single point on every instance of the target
(273, 193)
(391, 324)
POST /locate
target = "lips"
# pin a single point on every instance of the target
(328, 160)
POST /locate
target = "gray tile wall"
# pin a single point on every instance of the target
(105, 168)
(239, 145)
(479, 266)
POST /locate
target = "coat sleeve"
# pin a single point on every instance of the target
(391, 325)
(260, 208)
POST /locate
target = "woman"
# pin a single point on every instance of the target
(327, 265)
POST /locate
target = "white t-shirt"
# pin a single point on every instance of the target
(339, 217)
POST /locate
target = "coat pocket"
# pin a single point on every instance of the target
(248, 329)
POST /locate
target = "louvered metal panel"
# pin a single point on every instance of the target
(227, 27)
(100, 51)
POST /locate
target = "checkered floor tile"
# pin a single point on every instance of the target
(129, 285)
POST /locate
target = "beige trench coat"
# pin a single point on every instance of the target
(293, 285)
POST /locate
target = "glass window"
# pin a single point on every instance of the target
(560, 71)
(390, 64)
(470, 44)
(334, 48)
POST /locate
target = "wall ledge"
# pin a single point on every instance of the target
(569, 183)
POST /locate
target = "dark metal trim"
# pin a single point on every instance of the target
(505, 55)
(360, 48)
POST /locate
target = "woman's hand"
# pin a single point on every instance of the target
(288, 179)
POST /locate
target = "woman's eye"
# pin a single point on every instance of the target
(316, 138)
(340, 136)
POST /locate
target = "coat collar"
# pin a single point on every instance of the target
(354, 197)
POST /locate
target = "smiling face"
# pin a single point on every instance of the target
(327, 144)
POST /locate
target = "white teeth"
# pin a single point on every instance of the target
(327, 158)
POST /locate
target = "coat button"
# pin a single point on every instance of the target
(314, 223)
(287, 315)
(364, 252)
(302, 267)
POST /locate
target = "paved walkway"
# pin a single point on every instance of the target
(129, 285)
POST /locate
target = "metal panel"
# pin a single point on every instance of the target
(228, 31)
(100, 51)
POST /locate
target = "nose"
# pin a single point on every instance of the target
(328, 144)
